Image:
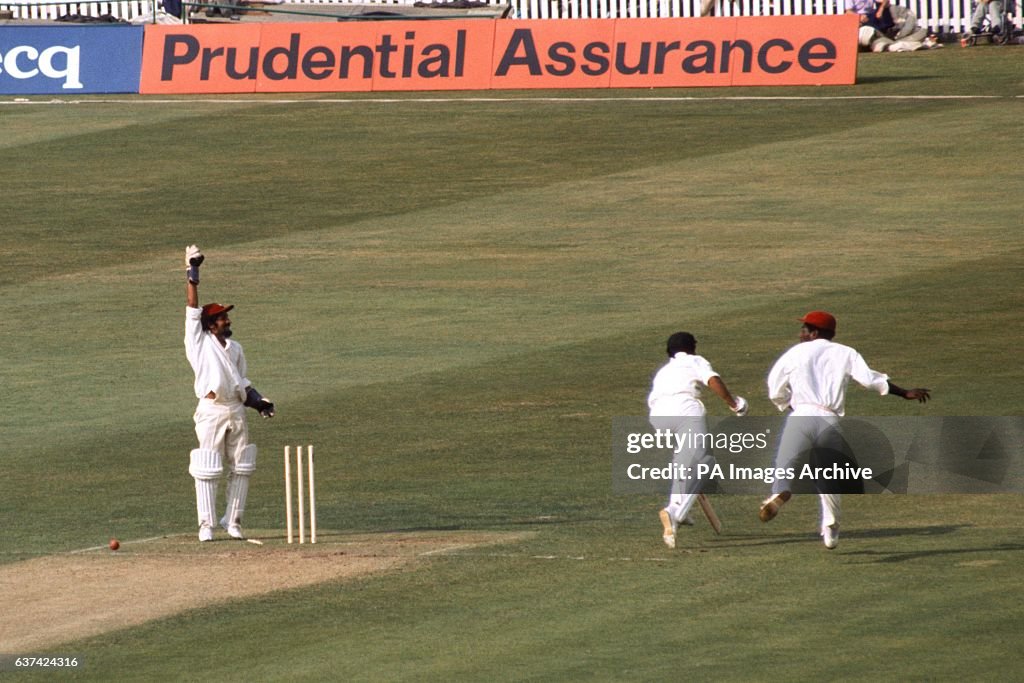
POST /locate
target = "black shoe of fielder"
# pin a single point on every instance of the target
(771, 507)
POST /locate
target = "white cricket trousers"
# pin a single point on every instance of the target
(684, 493)
(222, 427)
(808, 427)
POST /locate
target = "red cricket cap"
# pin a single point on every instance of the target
(820, 319)
(213, 310)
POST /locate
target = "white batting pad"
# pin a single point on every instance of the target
(246, 464)
(205, 463)
(238, 491)
(206, 501)
(238, 485)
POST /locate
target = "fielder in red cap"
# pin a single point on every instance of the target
(810, 380)
(223, 391)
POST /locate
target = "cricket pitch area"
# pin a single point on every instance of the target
(60, 598)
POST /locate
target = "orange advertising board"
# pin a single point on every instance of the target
(552, 54)
(672, 54)
(676, 53)
(480, 54)
(797, 49)
(377, 55)
(199, 59)
(318, 57)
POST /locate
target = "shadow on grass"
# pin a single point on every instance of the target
(539, 521)
(894, 532)
(891, 557)
(753, 542)
(900, 532)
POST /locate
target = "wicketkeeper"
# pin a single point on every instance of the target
(223, 392)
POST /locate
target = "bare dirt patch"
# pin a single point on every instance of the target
(60, 598)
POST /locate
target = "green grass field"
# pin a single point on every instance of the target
(452, 296)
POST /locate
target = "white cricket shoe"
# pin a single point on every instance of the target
(205, 533)
(830, 535)
(234, 530)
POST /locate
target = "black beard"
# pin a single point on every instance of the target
(226, 333)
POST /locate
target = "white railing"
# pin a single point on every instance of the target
(51, 11)
(643, 9)
(940, 16)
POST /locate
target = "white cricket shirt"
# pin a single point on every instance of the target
(676, 388)
(220, 369)
(813, 375)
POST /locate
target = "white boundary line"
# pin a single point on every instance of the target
(442, 551)
(123, 543)
(501, 100)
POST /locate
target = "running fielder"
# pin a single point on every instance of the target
(223, 392)
(810, 379)
(674, 403)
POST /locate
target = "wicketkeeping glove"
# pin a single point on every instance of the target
(741, 406)
(193, 259)
(261, 405)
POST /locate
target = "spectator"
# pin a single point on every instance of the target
(994, 9)
(904, 36)
(873, 13)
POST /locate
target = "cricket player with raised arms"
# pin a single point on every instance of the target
(223, 391)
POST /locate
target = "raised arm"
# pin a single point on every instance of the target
(193, 259)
